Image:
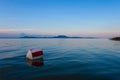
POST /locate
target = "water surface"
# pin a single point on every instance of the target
(64, 59)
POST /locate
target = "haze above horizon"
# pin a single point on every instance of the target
(100, 18)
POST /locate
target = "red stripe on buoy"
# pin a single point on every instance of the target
(39, 53)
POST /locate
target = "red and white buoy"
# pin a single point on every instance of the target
(34, 53)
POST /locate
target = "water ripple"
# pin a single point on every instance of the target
(64, 59)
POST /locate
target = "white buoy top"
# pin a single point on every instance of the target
(34, 53)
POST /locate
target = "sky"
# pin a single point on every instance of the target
(99, 18)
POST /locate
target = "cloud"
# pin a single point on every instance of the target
(9, 33)
(4, 30)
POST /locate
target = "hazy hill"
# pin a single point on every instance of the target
(115, 38)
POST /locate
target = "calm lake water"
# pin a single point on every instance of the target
(64, 59)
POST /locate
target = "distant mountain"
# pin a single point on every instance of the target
(115, 38)
(28, 37)
(24, 35)
(59, 36)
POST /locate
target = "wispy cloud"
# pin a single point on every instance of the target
(4, 30)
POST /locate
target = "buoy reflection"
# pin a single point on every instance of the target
(36, 63)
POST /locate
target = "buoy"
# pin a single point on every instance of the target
(34, 53)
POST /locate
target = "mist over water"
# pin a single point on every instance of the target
(64, 59)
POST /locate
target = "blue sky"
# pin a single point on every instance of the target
(54, 17)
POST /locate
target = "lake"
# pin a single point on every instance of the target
(64, 59)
